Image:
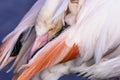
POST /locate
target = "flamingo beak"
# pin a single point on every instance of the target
(40, 41)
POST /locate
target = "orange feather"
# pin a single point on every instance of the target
(49, 58)
(73, 53)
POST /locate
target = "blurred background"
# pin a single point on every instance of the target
(11, 12)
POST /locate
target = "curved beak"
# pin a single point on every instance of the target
(40, 41)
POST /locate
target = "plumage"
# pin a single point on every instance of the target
(45, 29)
(22, 58)
(26, 23)
(33, 32)
(100, 32)
(98, 38)
(53, 53)
(93, 34)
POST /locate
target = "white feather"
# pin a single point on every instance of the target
(60, 10)
(28, 20)
(109, 36)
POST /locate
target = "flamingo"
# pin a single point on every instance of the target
(96, 34)
(92, 39)
(33, 32)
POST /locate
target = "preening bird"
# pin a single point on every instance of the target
(98, 39)
(39, 25)
(93, 34)
(54, 52)
(33, 32)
